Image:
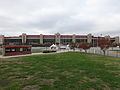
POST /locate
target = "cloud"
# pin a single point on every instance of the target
(64, 16)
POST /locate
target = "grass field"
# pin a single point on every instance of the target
(0, 53)
(36, 51)
(114, 50)
(63, 71)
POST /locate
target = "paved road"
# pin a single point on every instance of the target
(92, 50)
(61, 51)
(39, 48)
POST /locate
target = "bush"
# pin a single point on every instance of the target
(49, 51)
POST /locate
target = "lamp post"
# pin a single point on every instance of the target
(97, 41)
(117, 51)
(98, 38)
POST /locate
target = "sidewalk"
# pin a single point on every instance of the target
(32, 54)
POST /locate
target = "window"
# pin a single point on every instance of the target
(7, 50)
(21, 49)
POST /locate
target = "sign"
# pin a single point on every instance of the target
(16, 50)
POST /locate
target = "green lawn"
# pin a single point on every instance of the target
(0, 53)
(63, 71)
(114, 50)
(36, 51)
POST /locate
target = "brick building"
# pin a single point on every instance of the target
(52, 39)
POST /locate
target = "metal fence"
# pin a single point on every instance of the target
(115, 52)
(110, 52)
(107, 53)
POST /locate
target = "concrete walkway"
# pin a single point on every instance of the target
(33, 54)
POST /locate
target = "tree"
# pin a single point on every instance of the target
(47, 45)
(72, 45)
(104, 44)
(85, 46)
(57, 43)
(113, 45)
(118, 44)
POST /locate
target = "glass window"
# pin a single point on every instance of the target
(7, 50)
(21, 49)
(13, 49)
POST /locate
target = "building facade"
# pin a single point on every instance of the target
(52, 39)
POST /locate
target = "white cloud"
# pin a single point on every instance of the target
(64, 16)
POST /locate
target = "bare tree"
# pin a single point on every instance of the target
(85, 46)
(47, 45)
(104, 44)
(118, 44)
(113, 45)
(72, 45)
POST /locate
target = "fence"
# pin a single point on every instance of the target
(115, 52)
(110, 52)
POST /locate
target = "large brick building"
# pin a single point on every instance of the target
(52, 39)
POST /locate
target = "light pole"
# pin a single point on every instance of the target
(117, 51)
(97, 42)
(98, 38)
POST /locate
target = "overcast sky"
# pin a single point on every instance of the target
(63, 16)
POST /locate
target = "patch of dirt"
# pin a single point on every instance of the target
(91, 89)
(114, 71)
(112, 63)
(12, 77)
(31, 87)
(41, 80)
(11, 62)
(48, 81)
(104, 86)
(86, 79)
(67, 74)
(80, 71)
(117, 88)
(16, 69)
(4, 68)
(1, 88)
(91, 80)
(26, 79)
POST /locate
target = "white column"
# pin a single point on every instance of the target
(89, 38)
(57, 38)
(41, 39)
(73, 38)
(24, 38)
(117, 39)
(1, 39)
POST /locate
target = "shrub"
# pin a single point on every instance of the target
(49, 51)
(85, 46)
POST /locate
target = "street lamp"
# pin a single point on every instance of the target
(118, 50)
(98, 38)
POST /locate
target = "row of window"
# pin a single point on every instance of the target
(17, 49)
(37, 41)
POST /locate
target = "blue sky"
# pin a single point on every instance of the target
(64, 16)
